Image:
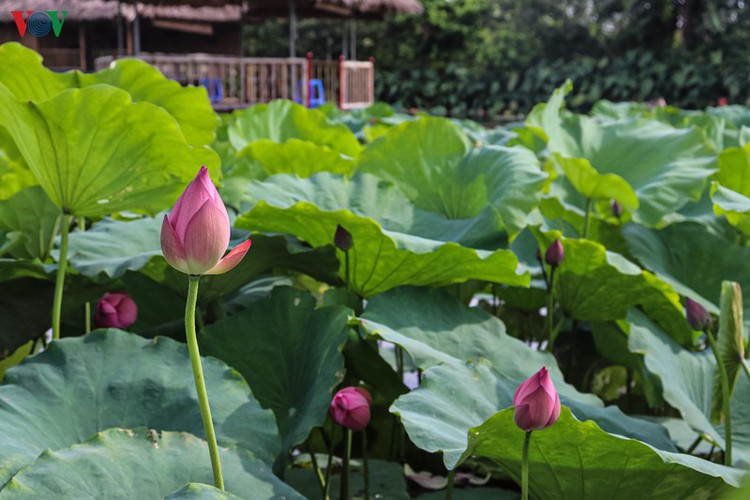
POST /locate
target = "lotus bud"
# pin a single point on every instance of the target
(343, 239)
(555, 254)
(536, 404)
(350, 408)
(697, 315)
(195, 234)
(616, 208)
(115, 310)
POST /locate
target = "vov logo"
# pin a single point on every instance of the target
(39, 24)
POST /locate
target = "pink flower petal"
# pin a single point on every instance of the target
(206, 238)
(198, 192)
(231, 259)
(172, 248)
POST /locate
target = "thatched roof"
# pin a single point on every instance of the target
(217, 11)
(211, 11)
(332, 8)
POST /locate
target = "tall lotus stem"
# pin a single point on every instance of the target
(344, 493)
(200, 384)
(60, 278)
(525, 467)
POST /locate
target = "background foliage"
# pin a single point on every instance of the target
(484, 58)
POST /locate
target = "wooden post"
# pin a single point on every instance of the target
(372, 80)
(342, 81)
(120, 37)
(82, 45)
(136, 33)
(309, 77)
(292, 29)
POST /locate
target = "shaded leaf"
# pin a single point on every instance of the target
(290, 354)
(574, 459)
(123, 463)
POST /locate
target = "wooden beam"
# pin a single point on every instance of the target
(82, 45)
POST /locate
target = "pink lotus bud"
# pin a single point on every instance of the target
(697, 315)
(555, 254)
(195, 234)
(616, 208)
(115, 310)
(536, 402)
(343, 239)
(350, 408)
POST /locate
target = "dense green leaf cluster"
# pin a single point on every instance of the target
(442, 306)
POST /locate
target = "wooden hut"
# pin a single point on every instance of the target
(200, 42)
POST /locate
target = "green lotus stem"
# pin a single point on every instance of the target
(87, 312)
(329, 466)
(550, 309)
(81, 223)
(62, 265)
(344, 493)
(51, 243)
(200, 384)
(365, 464)
(525, 467)
(587, 219)
(316, 469)
(695, 444)
(724, 380)
(451, 482)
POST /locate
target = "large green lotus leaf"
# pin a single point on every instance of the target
(693, 258)
(296, 156)
(594, 284)
(188, 105)
(113, 247)
(593, 185)
(689, 384)
(732, 205)
(686, 377)
(431, 160)
(125, 463)
(127, 157)
(14, 175)
(17, 268)
(574, 459)
(665, 166)
(31, 215)
(267, 253)
(472, 367)
(385, 253)
(109, 378)
(200, 491)
(290, 354)
(731, 194)
(280, 121)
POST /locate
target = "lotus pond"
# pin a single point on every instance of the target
(407, 274)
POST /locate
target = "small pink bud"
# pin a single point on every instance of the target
(195, 234)
(536, 402)
(115, 310)
(697, 315)
(350, 408)
(343, 239)
(617, 209)
(555, 253)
